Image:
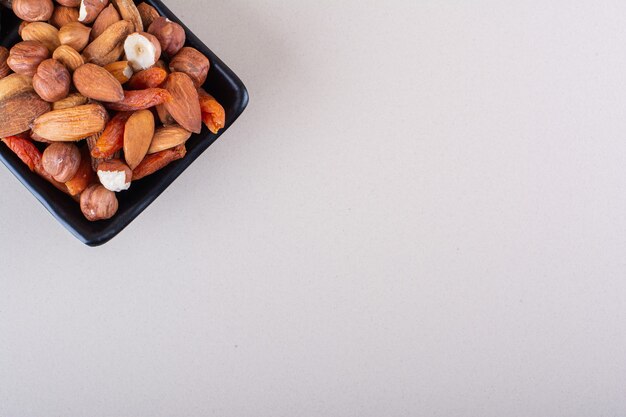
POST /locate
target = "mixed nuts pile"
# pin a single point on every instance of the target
(110, 103)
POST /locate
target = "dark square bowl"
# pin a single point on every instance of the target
(222, 83)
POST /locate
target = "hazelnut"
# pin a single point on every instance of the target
(193, 63)
(52, 81)
(147, 13)
(25, 57)
(33, 10)
(90, 9)
(170, 34)
(61, 160)
(4, 68)
(69, 3)
(75, 35)
(98, 203)
(115, 175)
(105, 19)
(142, 49)
(63, 15)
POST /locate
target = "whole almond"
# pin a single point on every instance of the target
(167, 137)
(121, 70)
(42, 32)
(25, 57)
(72, 100)
(97, 83)
(90, 9)
(15, 84)
(69, 57)
(138, 135)
(129, 11)
(63, 15)
(106, 18)
(108, 47)
(75, 34)
(185, 104)
(18, 112)
(147, 13)
(71, 124)
(4, 68)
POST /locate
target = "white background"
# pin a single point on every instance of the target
(421, 213)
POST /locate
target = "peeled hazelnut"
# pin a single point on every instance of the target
(115, 175)
(42, 32)
(193, 63)
(33, 10)
(105, 19)
(90, 9)
(75, 34)
(68, 56)
(148, 14)
(98, 203)
(170, 34)
(142, 49)
(61, 160)
(52, 81)
(4, 68)
(69, 3)
(25, 57)
(63, 15)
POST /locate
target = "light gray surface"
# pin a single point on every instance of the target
(420, 214)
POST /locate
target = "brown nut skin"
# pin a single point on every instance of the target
(52, 81)
(105, 19)
(4, 67)
(69, 3)
(170, 34)
(68, 56)
(61, 160)
(75, 35)
(98, 203)
(147, 13)
(90, 9)
(25, 57)
(63, 15)
(190, 61)
(33, 10)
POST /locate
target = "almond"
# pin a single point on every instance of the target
(168, 137)
(109, 46)
(106, 18)
(147, 13)
(129, 11)
(185, 104)
(71, 124)
(42, 32)
(18, 112)
(68, 57)
(14, 85)
(4, 68)
(97, 83)
(74, 34)
(73, 100)
(138, 135)
(121, 70)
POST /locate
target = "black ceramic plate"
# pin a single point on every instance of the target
(222, 83)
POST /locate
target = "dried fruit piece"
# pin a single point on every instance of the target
(109, 46)
(84, 175)
(33, 10)
(213, 114)
(14, 85)
(141, 99)
(138, 135)
(61, 161)
(72, 100)
(129, 11)
(42, 32)
(75, 34)
(121, 70)
(72, 124)
(69, 57)
(142, 49)
(168, 137)
(115, 175)
(147, 13)
(63, 15)
(106, 18)
(193, 63)
(18, 112)
(90, 9)
(150, 78)
(157, 161)
(112, 139)
(185, 104)
(170, 34)
(97, 83)
(4, 68)
(25, 57)
(98, 203)
(52, 80)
